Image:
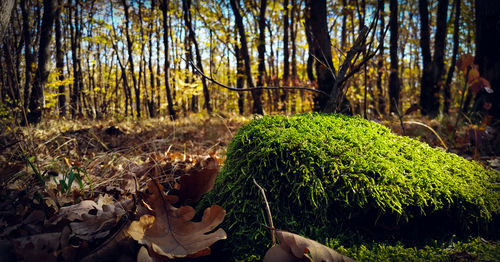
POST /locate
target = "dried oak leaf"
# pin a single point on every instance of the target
(479, 84)
(92, 220)
(199, 180)
(293, 247)
(473, 74)
(170, 232)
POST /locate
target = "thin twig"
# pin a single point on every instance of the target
(364, 61)
(268, 210)
(257, 87)
(400, 116)
(431, 129)
(460, 108)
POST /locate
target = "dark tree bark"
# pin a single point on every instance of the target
(286, 55)
(488, 49)
(380, 72)
(136, 86)
(75, 97)
(186, 9)
(261, 50)
(315, 15)
(5, 11)
(286, 50)
(153, 110)
(164, 10)
(35, 106)
(394, 88)
(28, 56)
(343, 33)
(60, 60)
(235, 6)
(239, 78)
(433, 69)
(451, 70)
(293, 39)
(310, 58)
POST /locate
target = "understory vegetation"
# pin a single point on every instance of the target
(340, 177)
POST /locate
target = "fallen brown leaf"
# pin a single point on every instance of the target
(302, 249)
(199, 180)
(170, 233)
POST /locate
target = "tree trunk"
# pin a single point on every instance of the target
(286, 55)
(487, 52)
(239, 78)
(164, 9)
(261, 50)
(393, 77)
(293, 36)
(5, 11)
(60, 61)
(245, 55)
(380, 66)
(153, 109)
(35, 106)
(432, 68)
(315, 16)
(131, 60)
(28, 56)
(186, 9)
(451, 70)
(343, 33)
(75, 100)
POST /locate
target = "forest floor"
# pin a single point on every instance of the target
(48, 171)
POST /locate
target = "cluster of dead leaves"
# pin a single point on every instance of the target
(465, 63)
(40, 223)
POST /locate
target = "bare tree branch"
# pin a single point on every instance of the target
(364, 61)
(257, 87)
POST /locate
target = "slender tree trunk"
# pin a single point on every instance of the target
(245, 55)
(28, 56)
(60, 61)
(286, 54)
(394, 88)
(142, 64)
(451, 70)
(186, 8)
(35, 106)
(488, 53)
(131, 60)
(261, 50)
(310, 56)
(239, 78)
(153, 110)
(432, 68)
(5, 12)
(74, 28)
(293, 38)
(315, 16)
(164, 9)
(380, 72)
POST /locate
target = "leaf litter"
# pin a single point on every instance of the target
(94, 220)
(138, 176)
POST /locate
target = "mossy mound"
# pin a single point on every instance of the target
(330, 174)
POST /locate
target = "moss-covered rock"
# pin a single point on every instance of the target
(331, 174)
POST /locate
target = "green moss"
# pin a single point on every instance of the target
(331, 174)
(471, 250)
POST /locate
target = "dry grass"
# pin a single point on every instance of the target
(114, 152)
